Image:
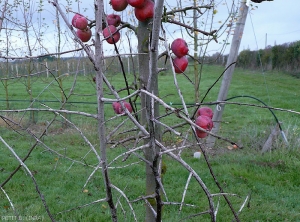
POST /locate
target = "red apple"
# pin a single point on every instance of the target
(205, 111)
(111, 34)
(145, 12)
(136, 3)
(74, 18)
(128, 107)
(179, 47)
(79, 22)
(204, 122)
(85, 35)
(180, 64)
(116, 106)
(118, 5)
(201, 134)
(113, 19)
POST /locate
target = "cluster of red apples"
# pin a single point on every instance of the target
(110, 32)
(83, 32)
(143, 9)
(204, 120)
(118, 107)
(180, 49)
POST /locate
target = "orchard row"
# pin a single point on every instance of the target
(143, 10)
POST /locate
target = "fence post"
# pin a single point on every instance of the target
(17, 70)
(47, 70)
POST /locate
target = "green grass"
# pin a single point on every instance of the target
(272, 178)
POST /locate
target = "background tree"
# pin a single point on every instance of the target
(4, 82)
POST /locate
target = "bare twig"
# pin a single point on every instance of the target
(191, 28)
(32, 177)
(50, 110)
(185, 189)
(9, 200)
(82, 135)
(82, 206)
(247, 199)
(127, 200)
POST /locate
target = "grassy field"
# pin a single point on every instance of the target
(271, 180)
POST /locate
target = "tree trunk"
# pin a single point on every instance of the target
(148, 72)
(196, 75)
(144, 72)
(100, 114)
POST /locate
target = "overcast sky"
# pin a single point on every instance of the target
(278, 19)
(267, 23)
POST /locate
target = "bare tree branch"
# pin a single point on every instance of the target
(32, 177)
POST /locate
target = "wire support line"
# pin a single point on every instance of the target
(260, 61)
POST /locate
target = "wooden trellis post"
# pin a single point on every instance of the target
(233, 54)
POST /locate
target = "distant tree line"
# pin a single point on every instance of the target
(285, 57)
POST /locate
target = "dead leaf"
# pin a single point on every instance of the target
(230, 147)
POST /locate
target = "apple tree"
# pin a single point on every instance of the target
(151, 22)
